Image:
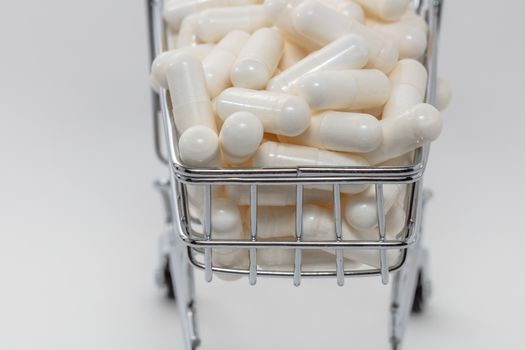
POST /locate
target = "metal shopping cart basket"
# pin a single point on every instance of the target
(182, 248)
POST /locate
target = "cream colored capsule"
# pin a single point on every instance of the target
(409, 83)
(215, 23)
(311, 259)
(349, 8)
(187, 35)
(218, 63)
(189, 97)
(409, 34)
(240, 137)
(199, 147)
(280, 11)
(387, 10)
(415, 127)
(323, 25)
(360, 211)
(345, 90)
(291, 55)
(258, 59)
(175, 11)
(340, 131)
(443, 94)
(318, 225)
(279, 113)
(395, 221)
(277, 195)
(276, 155)
(347, 52)
(162, 61)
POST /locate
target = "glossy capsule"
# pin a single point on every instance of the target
(340, 131)
(279, 113)
(258, 59)
(240, 137)
(323, 25)
(387, 10)
(347, 52)
(352, 89)
(276, 195)
(215, 23)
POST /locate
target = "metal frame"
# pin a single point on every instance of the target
(183, 245)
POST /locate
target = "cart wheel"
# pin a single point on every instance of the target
(164, 279)
(421, 294)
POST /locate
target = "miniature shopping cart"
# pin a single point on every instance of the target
(183, 248)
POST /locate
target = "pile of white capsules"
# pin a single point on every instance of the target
(297, 83)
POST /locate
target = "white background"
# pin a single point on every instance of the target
(79, 218)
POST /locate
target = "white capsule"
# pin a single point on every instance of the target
(311, 259)
(227, 224)
(443, 94)
(199, 147)
(409, 34)
(215, 23)
(318, 225)
(409, 83)
(291, 55)
(347, 52)
(360, 211)
(218, 63)
(387, 10)
(172, 39)
(280, 11)
(279, 113)
(395, 222)
(276, 195)
(175, 11)
(240, 137)
(416, 127)
(323, 25)
(276, 155)
(258, 59)
(189, 98)
(345, 90)
(340, 131)
(348, 8)
(163, 61)
(187, 35)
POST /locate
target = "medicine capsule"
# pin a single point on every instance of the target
(280, 11)
(276, 195)
(189, 97)
(345, 90)
(227, 224)
(311, 259)
(199, 147)
(291, 55)
(175, 11)
(349, 8)
(218, 63)
(347, 52)
(324, 25)
(215, 23)
(318, 225)
(409, 34)
(387, 10)
(340, 131)
(240, 137)
(409, 83)
(443, 94)
(279, 113)
(395, 221)
(187, 35)
(416, 127)
(360, 210)
(275, 155)
(258, 59)
(163, 60)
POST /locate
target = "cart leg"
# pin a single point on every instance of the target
(184, 284)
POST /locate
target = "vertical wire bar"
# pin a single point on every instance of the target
(339, 261)
(253, 234)
(298, 235)
(380, 201)
(208, 272)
